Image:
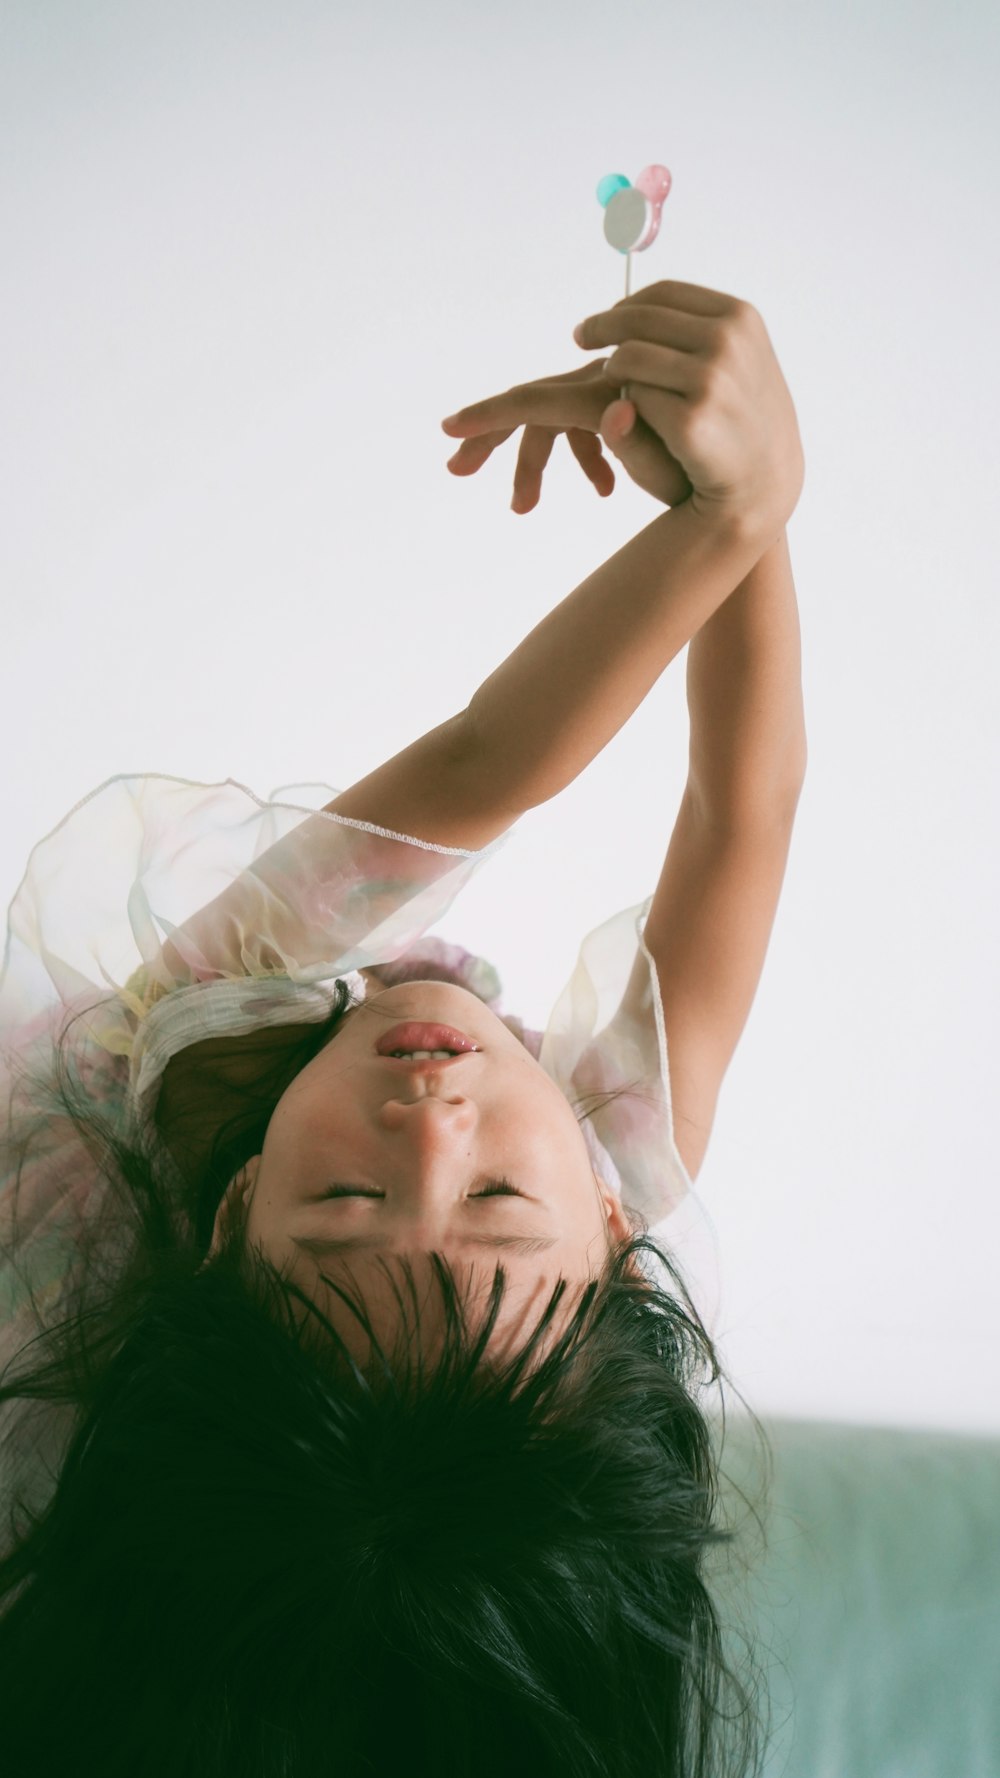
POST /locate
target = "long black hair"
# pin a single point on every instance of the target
(260, 1558)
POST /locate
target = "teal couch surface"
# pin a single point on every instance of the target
(876, 1599)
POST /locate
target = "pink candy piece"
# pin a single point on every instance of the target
(654, 183)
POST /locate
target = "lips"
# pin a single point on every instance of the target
(413, 1034)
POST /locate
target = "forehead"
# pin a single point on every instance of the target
(409, 1304)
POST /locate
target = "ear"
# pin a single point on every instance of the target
(618, 1223)
(238, 1189)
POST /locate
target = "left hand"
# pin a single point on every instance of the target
(587, 407)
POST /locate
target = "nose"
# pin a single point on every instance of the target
(430, 1119)
(432, 1138)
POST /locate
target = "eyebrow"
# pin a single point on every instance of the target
(331, 1244)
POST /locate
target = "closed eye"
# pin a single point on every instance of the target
(495, 1188)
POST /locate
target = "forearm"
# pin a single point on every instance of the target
(744, 690)
(554, 704)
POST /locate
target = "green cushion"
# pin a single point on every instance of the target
(877, 1602)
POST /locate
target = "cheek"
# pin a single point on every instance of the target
(304, 1123)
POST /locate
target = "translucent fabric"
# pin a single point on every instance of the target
(166, 911)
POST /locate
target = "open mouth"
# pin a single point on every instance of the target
(423, 1055)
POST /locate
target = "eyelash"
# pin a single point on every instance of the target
(497, 1188)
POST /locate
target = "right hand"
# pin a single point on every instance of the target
(703, 375)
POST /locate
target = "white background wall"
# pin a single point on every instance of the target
(253, 254)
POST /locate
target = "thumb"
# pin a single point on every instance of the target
(642, 453)
(617, 421)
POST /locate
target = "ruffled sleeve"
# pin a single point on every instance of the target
(156, 884)
(606, 1034)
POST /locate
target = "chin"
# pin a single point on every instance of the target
(423, 987)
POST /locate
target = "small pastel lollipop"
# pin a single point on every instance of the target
(632, 212)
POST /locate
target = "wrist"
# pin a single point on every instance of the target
(739, 537)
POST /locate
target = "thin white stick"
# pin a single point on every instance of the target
(624, 394)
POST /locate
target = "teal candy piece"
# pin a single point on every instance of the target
(611, 183)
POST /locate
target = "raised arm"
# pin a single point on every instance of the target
(532, 726)
(714, 906)
(554, 704)
(714, 397)
(714, 393)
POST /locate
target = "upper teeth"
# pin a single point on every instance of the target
(421, 1055)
